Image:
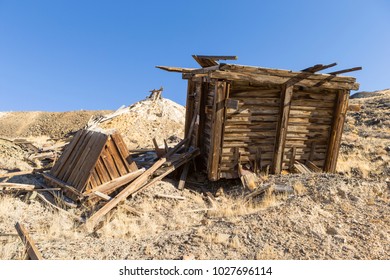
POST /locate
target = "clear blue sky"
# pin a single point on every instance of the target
(69, 55)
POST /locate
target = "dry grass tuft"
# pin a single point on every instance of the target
(235, 243)
(299, 188)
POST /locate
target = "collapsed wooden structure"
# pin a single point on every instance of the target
(91, 161)
(263, 118)
(97, 164)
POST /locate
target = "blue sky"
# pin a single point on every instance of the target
(70, 55)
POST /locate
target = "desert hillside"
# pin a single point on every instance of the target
(302, 216)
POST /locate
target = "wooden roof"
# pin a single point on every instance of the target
(260, 75)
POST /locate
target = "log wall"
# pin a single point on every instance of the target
(269, 125)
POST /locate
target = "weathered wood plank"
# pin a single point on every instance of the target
(277, 80)
(283, 73)
(340, 111)
(281, 135)
(116, 183)
(65, 155)
(28, 242)
(217, 128)
(63, 173)
(121, 146)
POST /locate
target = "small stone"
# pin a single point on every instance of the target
(331, 231)
(340, 238)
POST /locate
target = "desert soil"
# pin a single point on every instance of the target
(316, 216)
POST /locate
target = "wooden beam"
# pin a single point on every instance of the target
(280, 73)
(183, 177)
(340, 110)
(175, 69)
(7, 175)
(278, 80)
(205, 70)
(280, 141)
(292, 159)
(15, 186)
(204, 61)
(102, 195)
(333, 75)
(116, 183)
(134, 186)
(61, 184)
(189, 106)
(345, 71)
(170, 196)
(217, 129)
(306, 73)
(218, 57)
(31, 248)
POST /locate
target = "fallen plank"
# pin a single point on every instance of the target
(171, 168)
(31, 248)
(102, 195)
(62, 184)
(137, 183)
(170, 196)
(183, 176)
(301, 168)
(77, 218)
(133, 187)
(16, 186)
(313, 167)
(16, 173)
(116, 183)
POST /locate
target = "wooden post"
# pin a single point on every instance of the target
(292, 159)
(285, 104)
(340, 111)
(189, 105)
(217, 129)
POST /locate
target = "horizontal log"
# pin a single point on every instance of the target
(307, 95)
(310, 121)
(237, 118)
(311, 108)
(248, 141)
(257, 100)
(297, 113)
(250, 134)
(245, 130)
(312, 103)
(254, 126)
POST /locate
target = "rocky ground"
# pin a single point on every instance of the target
(318, 216)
